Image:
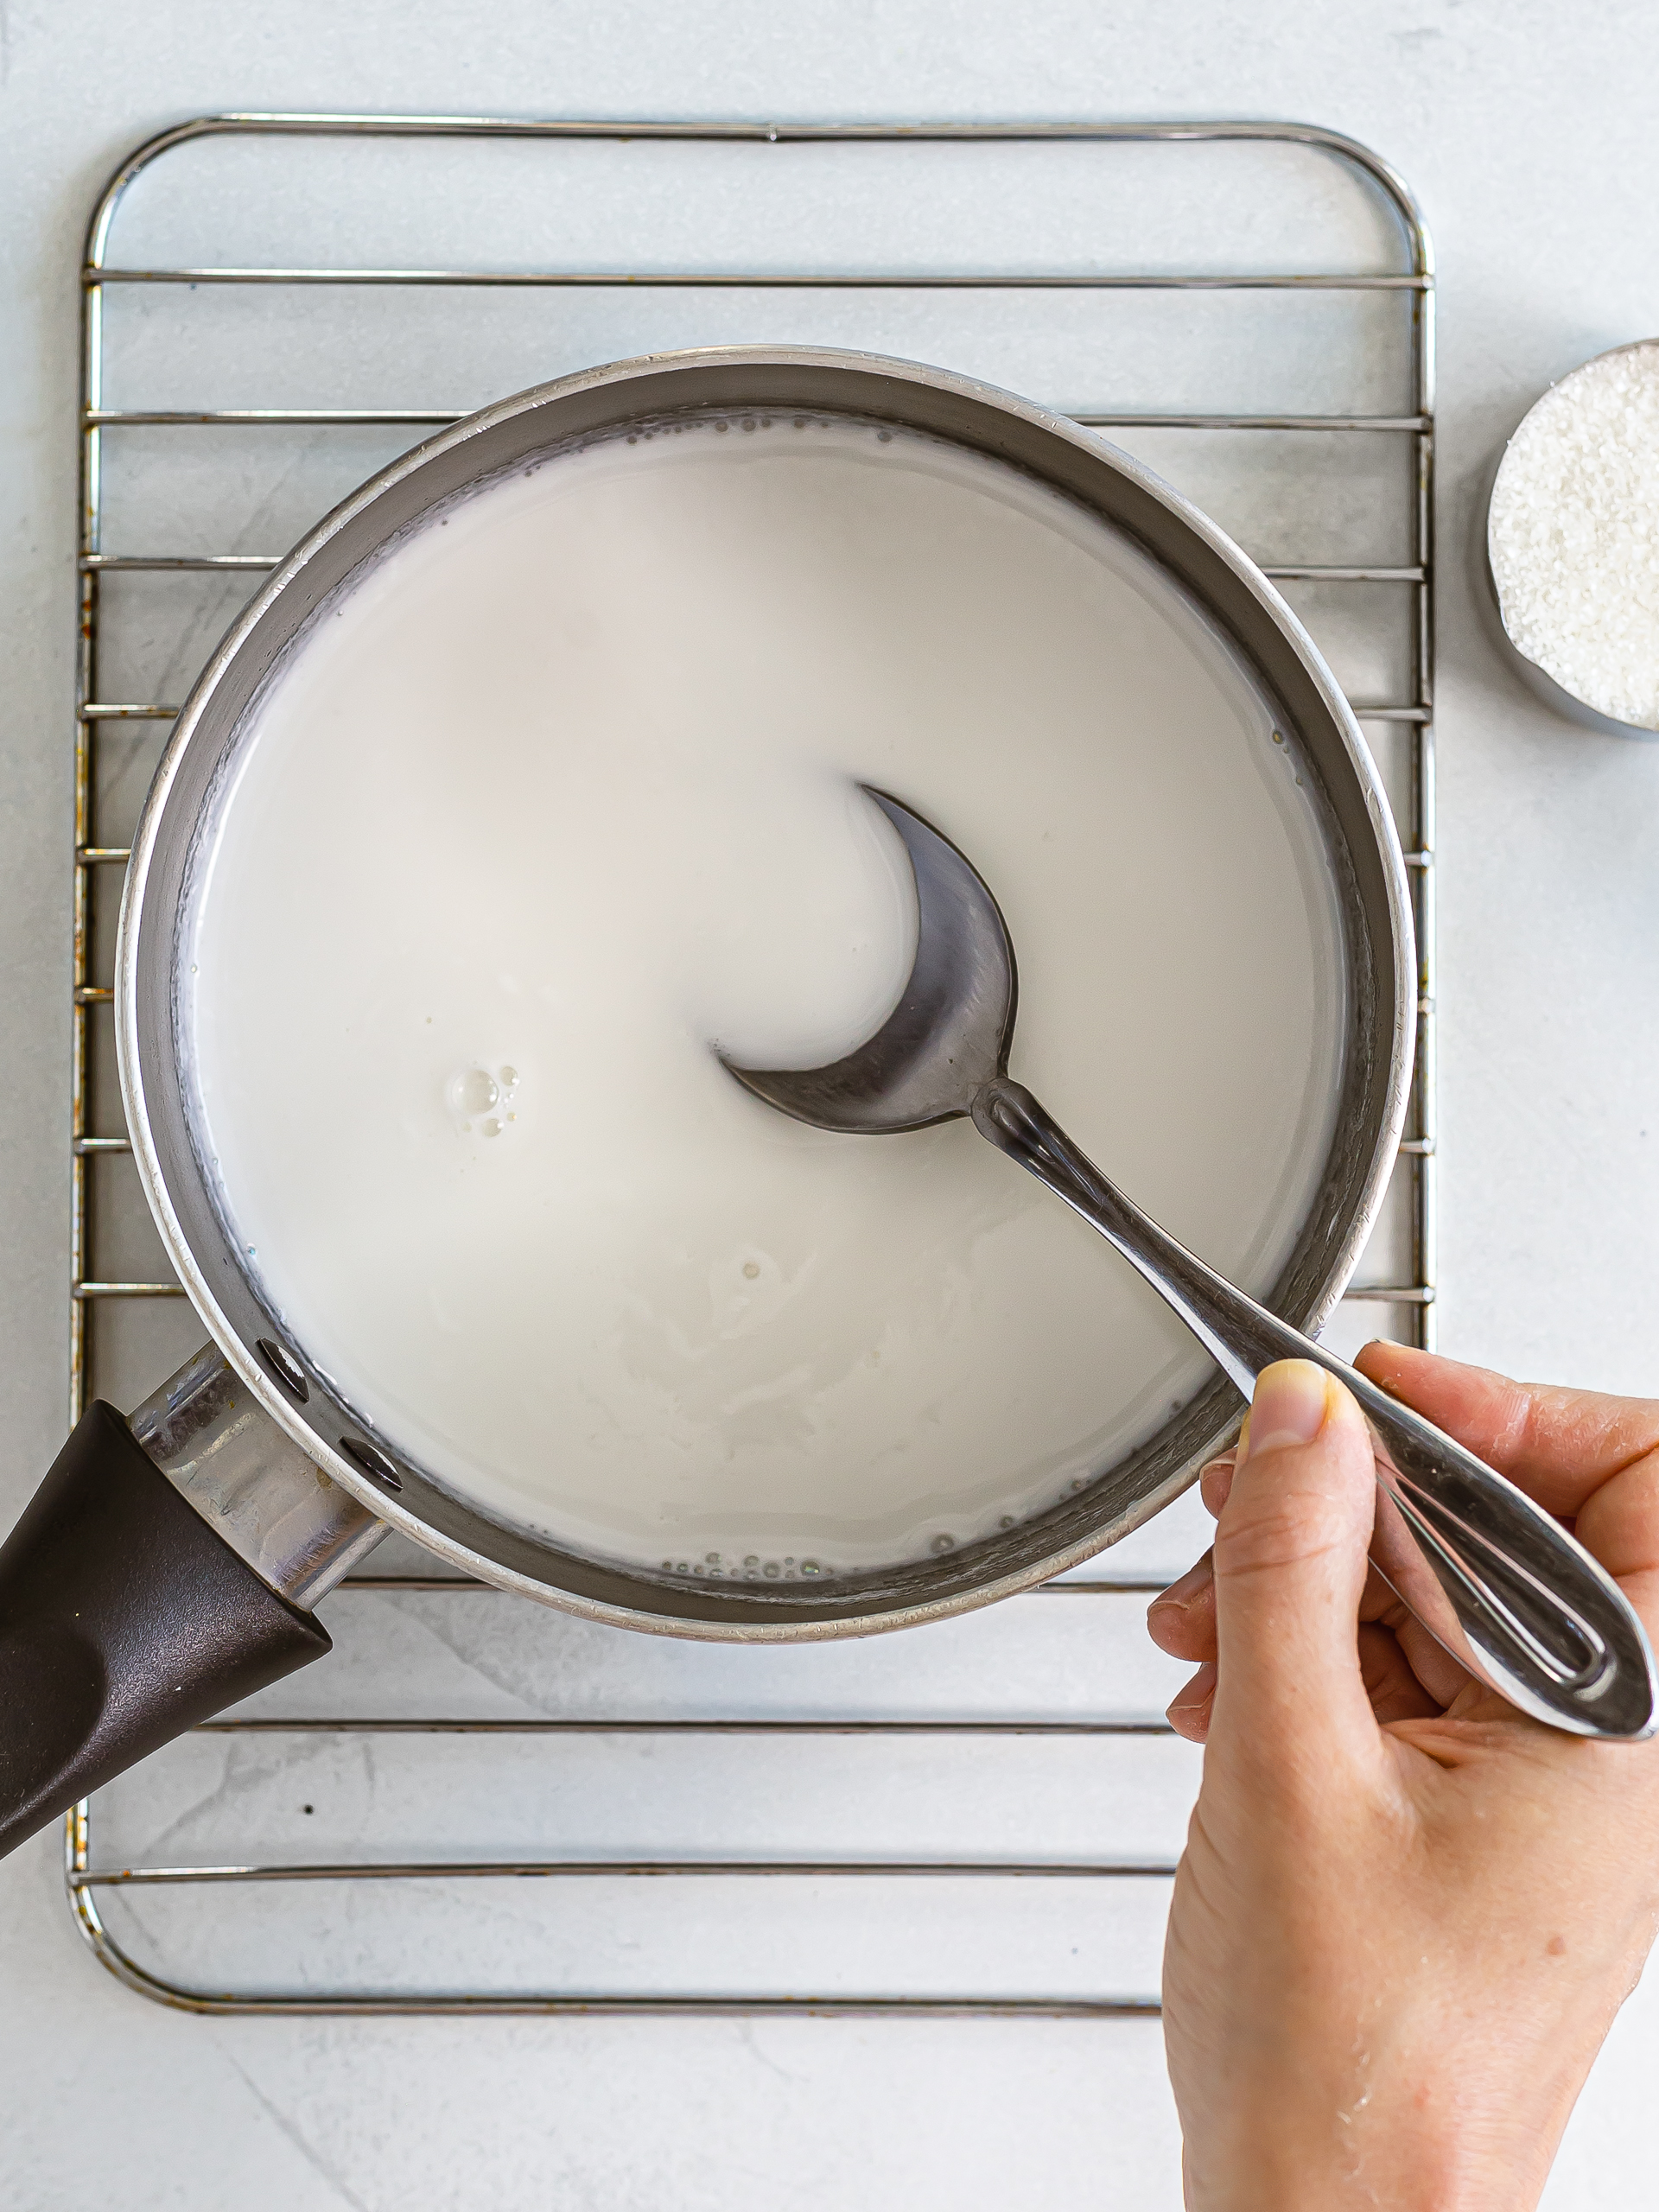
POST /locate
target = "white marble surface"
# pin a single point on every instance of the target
(1526, 130)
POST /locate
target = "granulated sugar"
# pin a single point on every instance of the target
(1573, 535)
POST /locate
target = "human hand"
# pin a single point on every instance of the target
(1406, 1915)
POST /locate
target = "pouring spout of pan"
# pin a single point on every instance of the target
(949, 1033)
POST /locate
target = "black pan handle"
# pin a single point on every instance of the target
(123, 1621)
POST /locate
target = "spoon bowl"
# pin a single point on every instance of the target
(1513, 1597)
(949, 1033)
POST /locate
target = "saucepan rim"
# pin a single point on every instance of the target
(1362, 841)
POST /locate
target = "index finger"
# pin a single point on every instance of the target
(1561, 1446)
(1590, 1458)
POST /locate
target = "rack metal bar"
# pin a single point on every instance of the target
(1306, 571)
(319, 123)
(96, 712)
(105, 563)
(305, 417)
(331, 1726)
(300, 417)
(434, 1870)
(1314, 572)
(1097, 1587)
(1425, 1226)
(751, 280)
(1414, 285)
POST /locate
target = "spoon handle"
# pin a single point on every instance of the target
(1493, 1577)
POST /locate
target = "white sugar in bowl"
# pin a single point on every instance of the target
(1573, 540)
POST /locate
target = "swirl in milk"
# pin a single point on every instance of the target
(561, 792)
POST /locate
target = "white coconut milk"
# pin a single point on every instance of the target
(562, 793)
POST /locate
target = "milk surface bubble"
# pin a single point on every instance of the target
(561, 795)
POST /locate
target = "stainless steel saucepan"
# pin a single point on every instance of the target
(171, 1559)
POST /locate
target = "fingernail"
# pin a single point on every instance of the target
(1216, 1482)
(1181, 1593)
(1195, 1692)
(1288, 1406)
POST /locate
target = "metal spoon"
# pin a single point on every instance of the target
(1499, 1583)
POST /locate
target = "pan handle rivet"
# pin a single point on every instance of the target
(284, 1365)
(374, 1463)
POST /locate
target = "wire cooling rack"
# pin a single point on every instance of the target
(1247, 306)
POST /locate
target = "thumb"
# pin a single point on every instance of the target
(1290, 1565)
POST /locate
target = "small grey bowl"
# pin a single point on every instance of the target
(1542, 685)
